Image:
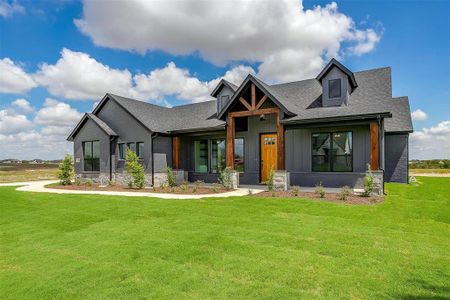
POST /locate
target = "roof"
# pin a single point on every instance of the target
(300, 100)
(221, 84)
(100, 123)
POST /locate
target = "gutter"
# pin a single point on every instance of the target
(343, 118)
(152, 137)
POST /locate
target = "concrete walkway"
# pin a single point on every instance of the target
(39, 187)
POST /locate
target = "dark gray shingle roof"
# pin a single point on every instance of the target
(100, 123)
(303, 98)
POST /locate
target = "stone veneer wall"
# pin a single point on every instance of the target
(281, 180)
(378, 180)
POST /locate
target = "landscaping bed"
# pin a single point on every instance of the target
(183, 189)
(332, 197)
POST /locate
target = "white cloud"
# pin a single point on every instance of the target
(57, 114)
(178, 82)
(290, 42)
(78, 76)
(419, 115)
(433, 142)
(11, 122)
(9, 9)
(22, 106)
(13, 78)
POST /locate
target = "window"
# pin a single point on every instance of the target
(239, 155)
(332, 152)
(217, 155)
(140, 149)
(122, 151)
(131, 146)
(91, 155)
(201, 156)
(334, 88)
(224, 99)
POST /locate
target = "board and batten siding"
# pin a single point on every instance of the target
(396, 153)
(129, 131)
(299, 159)
(91, 132)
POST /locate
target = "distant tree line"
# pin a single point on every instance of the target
(430, 164)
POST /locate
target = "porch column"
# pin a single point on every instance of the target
(280, 144)
(176, 148)
(230, 143)
(374, 145)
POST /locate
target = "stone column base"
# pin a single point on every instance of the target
(378, 180)
(234, 179)
(281, 180)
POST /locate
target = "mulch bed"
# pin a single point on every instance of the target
(332, 197)
(123, 188)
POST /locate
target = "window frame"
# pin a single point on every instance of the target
(340, 88)
(138, 152)
(92, 156)
(331, 164)
(211, 141)
(124, 150)
(208, 156)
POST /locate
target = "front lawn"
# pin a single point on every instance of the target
(90, 246)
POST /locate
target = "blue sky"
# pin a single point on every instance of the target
(172, 55)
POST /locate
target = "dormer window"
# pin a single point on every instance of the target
(334, 88)
(224, 98)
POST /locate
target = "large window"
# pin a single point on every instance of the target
(239, 161)
(91, 156)
(332, 152)
(131, 146)
(140, 149)
(218, 151)
(334, 88)
(201, 156)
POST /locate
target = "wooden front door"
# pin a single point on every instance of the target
(268, 155)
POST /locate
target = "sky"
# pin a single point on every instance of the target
(58, 58)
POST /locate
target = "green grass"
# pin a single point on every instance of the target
(429, 171)
(27, 172)
(102, 247)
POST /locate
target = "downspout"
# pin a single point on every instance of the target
(111, 140)
(152, 137)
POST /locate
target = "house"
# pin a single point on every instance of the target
(325, 129)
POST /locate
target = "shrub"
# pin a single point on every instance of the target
(273, 194)
(368, 182)
(216, 187)
(269, 181)
(88, 182)
(66, 170)
(171, 180)
(111, 182)
(250, 192)
(135, 170)
(320, 190)
(184, 186)
(344, 193)
(295, 191)
(225, 178)
(77, 182)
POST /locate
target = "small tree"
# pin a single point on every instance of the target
(269, 181)
(135, 170)
(225, 178)
(368, 182)
(320, 190)
(66, 170)
(171, 180)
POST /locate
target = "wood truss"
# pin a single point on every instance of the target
(254, 109)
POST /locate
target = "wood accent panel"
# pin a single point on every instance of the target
(253, 92)
(269, 154)
(280, 143)
(176, 149)
(261, 102)
(245, 103)
(263, 111)
(374, 145)
(230, 143)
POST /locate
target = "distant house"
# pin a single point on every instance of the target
(11, 161)
(325, 129)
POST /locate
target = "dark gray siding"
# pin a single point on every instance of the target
(129, 131)
(162, 145)
(91, 132)
(396, 153)
(226, 91)
(335, 73)
(298, 157)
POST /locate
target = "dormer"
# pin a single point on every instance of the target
(337, 82)
(223, 92)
